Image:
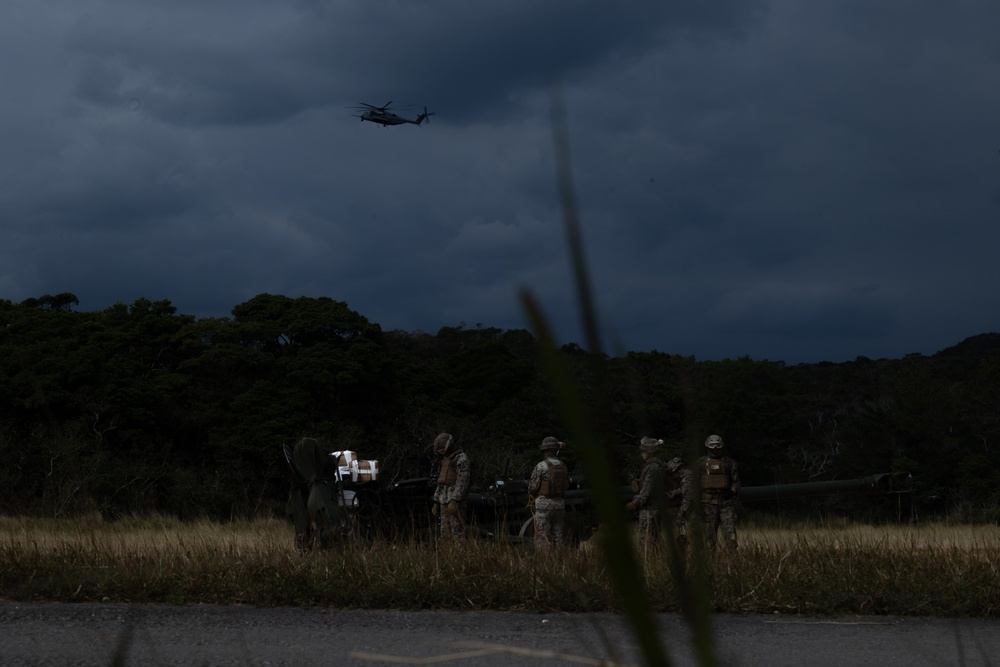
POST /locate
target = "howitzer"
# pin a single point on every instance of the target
(503, 510)
(882, 484)
(333, 495)
(400, 510)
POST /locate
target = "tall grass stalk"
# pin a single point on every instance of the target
(617, 549)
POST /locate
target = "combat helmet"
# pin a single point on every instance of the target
(552, 444)
(649, 445)
(675, 464)
(441, 443)
(714, 442)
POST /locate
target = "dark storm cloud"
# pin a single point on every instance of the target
(797, 181)
(192, 63)
(467, 56)
(823, 159)
(480, 57)
(128, 199)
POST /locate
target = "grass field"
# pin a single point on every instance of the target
(936, 570)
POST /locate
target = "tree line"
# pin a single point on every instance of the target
(137, 408)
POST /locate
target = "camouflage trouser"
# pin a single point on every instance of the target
(450, 525)
(720, 515)
(649, 526)
(550, 528)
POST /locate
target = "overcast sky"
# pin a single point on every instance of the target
(796, 181)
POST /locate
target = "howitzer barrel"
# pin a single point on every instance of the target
(883, 483)
(504, 510)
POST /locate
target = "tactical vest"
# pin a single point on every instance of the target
(557, 483)
(449, 471)
(715, 475)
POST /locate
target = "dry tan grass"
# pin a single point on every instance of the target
(934, 569)
(984, 538)
(146, 535)
(165, 534)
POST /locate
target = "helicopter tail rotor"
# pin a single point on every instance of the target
(424, 116)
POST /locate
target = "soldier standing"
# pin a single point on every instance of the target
(650, 489)
(548, 484)
(681, 475)
(452, 486)
(720, 487)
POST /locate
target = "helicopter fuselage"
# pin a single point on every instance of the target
(385, 118)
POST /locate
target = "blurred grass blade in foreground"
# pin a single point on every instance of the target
(615, 540)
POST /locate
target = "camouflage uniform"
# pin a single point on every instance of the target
(650, 489)
(682, 475)
(452, 488)
(652, 484)
(720, 488)
(547, 486)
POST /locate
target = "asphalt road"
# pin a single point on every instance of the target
(106, 634)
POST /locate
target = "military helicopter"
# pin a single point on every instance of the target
(385, 117)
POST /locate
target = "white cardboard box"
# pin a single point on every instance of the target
(364, 471)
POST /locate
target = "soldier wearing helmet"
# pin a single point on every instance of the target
(650, 491)
(720, 488)
(452, 486)
(548, 484)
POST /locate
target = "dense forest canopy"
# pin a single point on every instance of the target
(137, 408)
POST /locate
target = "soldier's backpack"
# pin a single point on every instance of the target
(557, 483)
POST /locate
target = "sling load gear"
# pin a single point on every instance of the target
(311, 502)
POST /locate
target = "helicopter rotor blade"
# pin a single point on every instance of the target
(365, 105)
